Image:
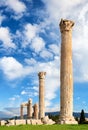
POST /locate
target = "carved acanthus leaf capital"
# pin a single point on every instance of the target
(35, 105)
(30, 100)
(66, 25)
(41, 75)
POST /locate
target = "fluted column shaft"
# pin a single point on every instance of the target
(66, 74)
(29, 108)
(35, 111)
(21, 112)
(41, 94)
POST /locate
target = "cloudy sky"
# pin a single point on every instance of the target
(30, 42)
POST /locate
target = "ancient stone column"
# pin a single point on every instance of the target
(35, 111)
(41, 94)
(29, 109)
(21, 111)
(66, 74)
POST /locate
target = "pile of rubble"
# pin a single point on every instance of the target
(45, 120)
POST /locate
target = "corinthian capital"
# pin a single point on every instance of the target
(66, 25)
(41, 75)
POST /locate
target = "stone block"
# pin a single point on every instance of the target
(33, 122)
(28, 121)
(11, 122)
(3, 122)
(39, 122)
(20, 122)
(47, 121)
(50, 122)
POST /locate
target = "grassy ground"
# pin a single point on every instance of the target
(45, 127)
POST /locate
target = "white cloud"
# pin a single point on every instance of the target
(17, 6)
(30, 32)
(31, 61)
(13, 69)
(30, 91)
(57, 10)
(80, 46)
(35, 88)
(23, 92)
(12, 99)
(6, 38)
(37, 44)
(55, 49)
(80, 68)
(2, 17)
(78, 98)
(15, 97)
(54, 108)
(52, 81)
(13, 111)
(6, 114)
(36, 94)
(52, 77)
(46, 54)
(32, 39)
(62, 8)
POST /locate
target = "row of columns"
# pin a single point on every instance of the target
(66, 79)
(39, 111)
(31, 111)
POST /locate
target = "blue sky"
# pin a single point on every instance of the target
(30, 42)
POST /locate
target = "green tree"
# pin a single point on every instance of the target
(54, 117)
(82, 117)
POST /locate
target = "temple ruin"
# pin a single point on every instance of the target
(29, 109)
(36, 113)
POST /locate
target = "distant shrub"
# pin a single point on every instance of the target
(54, 117)
(82, 117)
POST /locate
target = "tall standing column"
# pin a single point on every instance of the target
(29, 108)
(41, 94)
(66, 75)
(35, 111)
(21, 111)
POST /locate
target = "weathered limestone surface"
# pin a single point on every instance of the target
(7, 123)
(11, 122)
(29, 108)
(66, 74)
(21, 111)
(2, 122)
(35, 111)
(48, 121)
(20, 122)
(36, 122)
(44, 120)
(41, 94)
(33, 122)
(28, 121)
(39, 122)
